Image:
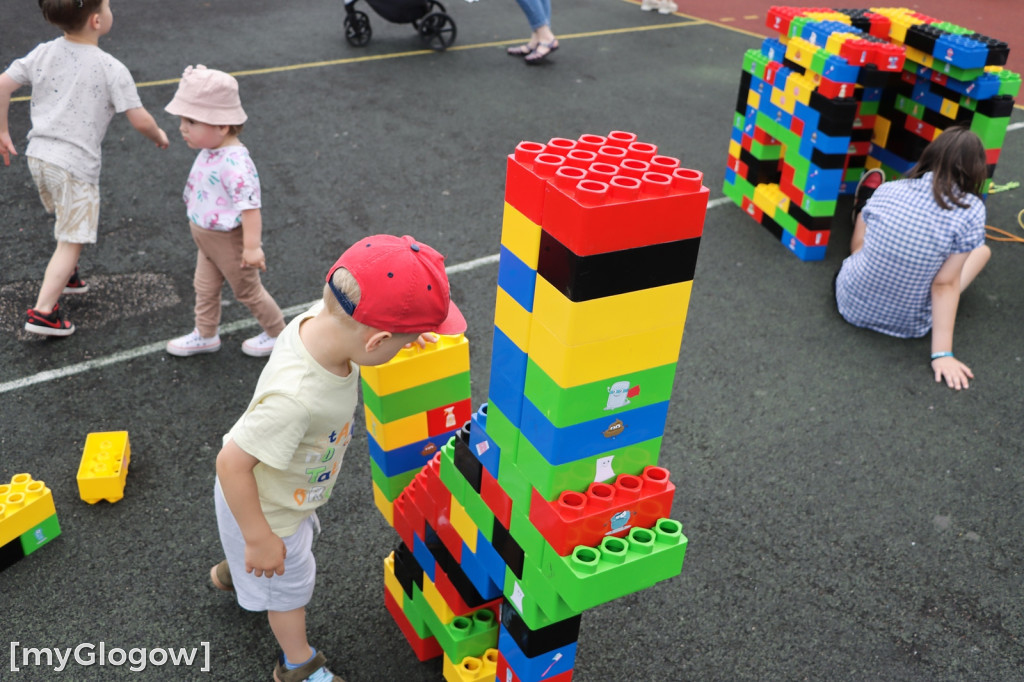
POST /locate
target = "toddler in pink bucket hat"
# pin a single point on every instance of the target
(222, 201)
(209, 96)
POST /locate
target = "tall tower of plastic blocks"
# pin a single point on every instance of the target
(28, 518)
(549, 501)
(844, 90)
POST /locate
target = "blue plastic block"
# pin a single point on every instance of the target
(517, 278)
(960, 51)
(407, 457)
(802, 251)
(508, 375)
(773, 49)
(423, 556)
(542, 667)
(491, 561)
(571, 443)
(897, 163)
(839, 70)
(827, 144)
(483, 446)
(476, 570)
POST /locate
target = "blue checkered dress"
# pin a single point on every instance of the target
(886, 286)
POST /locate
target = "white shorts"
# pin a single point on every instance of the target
(75, 202)
(285, 592)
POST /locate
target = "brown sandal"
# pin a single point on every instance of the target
(220, 576)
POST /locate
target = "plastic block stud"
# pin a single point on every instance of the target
(28, 518)
(104, 467)
(472, 668)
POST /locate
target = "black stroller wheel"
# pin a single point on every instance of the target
(432, 6)
(357, 29)
(437, 30)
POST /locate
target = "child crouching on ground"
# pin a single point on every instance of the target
(281, 458)
(223, 202)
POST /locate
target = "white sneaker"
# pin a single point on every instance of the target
(193, 344)
(667, 7)
(649, 5)
(259, 346)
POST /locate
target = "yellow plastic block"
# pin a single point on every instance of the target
(881, 134)
(799, 87)
(734, 151)
(436, 601)
(919, 57)
(386, 506)
(520, 235)
(104, 466)
(801, 51)
(836, 40)
(576, 323)
(391, 583)
(24, 504)
(770, 198)
(416, 366)
(783, 101)
(395, 434)
(949, 108)
(572, 366)
(754, 98)
(464, 525)
(513, 319)
(472, 668)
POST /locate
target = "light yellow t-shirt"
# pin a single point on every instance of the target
(297, 425)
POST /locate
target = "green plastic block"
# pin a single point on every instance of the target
(786, 222)
(819, 61)
(733, 192)
(414, 611)
(535, 598)
(515, 484)
(468, 635)
(577, 404)
(450, 474)
(992, 131)
(765, 152)
(527, 536)
(36, 537)
(1009, 83)
(909, 106)
(619, 566)
(796, 26)
(818, 208)
(868, 108)
(550, 480)
(417, 399)
(503, 432)
(393, 486)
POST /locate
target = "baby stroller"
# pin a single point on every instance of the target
(436, 29)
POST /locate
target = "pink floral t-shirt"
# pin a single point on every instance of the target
(222, 183)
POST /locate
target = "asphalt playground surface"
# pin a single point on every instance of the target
(848, 518)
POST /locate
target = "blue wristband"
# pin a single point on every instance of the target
(942, 354)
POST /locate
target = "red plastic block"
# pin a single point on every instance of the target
(812, 237)
(403, 525)
(525, 178)
(601, 217)
(604, 510)
(833, 89)
(448, 417)
(425, 649)
(753, 211)
(496, 499)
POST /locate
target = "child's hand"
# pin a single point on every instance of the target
(423, 339)
(954, 372)
(162, 142)
(265, 557)
(7, 148)
(254, 258)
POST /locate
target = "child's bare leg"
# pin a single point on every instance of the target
(289, 628)
(976, 260)
(58, 272)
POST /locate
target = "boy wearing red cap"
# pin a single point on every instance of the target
(76, 90)
(222, 200)
(281, 458)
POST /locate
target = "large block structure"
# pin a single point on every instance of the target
(841, 91)
(549, 499)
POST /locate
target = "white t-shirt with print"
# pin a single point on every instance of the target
(223, 182)
(76, 90)
(297, 425)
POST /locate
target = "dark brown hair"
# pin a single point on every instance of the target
(69, 15)
(956, 159)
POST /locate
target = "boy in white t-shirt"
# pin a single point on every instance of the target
(281, 458)
(76, 90)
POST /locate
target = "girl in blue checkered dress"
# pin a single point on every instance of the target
(917, 243)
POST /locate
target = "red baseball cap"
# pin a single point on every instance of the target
(403, 286)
